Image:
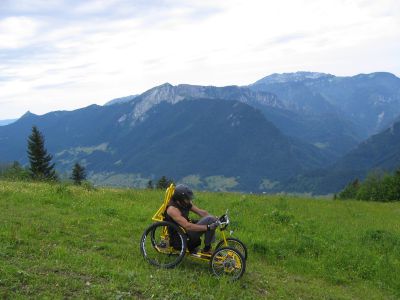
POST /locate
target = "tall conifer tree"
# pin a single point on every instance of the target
(41, 167)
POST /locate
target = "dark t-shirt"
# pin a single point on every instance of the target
(173, 235)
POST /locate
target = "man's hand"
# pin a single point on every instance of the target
(213, 226)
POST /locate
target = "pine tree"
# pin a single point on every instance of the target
(163, 183)
(150, 185)
(40, 162)
(78, 174)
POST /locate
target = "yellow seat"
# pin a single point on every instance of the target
(159, 215)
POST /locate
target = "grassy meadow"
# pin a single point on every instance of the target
(62, 241)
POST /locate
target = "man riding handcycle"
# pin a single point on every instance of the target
(174, 235)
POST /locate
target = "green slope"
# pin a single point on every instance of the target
(59, 241)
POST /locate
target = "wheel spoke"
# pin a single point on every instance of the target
(227, 261)
(157, 248)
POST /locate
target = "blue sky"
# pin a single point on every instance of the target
(63, 55)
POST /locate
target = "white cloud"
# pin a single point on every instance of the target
(17, 32)
(65, 55)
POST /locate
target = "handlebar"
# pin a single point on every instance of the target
(223, 221)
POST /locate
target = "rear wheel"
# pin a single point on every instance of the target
(227, 262)
(234, 243)
(157, 248)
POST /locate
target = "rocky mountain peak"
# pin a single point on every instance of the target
(28, 114)
(174, 94)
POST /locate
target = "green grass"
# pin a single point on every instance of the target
(60, 241)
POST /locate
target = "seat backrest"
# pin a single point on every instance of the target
(159, 215)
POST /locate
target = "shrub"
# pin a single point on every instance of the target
(372, 188)
(14, 172)
(376, 187)
(350, 191)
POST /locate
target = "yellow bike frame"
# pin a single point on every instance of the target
(159, 217)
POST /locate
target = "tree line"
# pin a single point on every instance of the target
(161, 183)
(378, 186)
(41, 168)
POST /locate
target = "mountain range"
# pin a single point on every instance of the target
(380, 152)
(6, 122)
(297, 132)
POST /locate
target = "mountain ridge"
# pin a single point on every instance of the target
(370, 100)
(292, 128)
(194, 137)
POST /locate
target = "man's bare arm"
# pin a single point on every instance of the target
(199, 211)
(175, 214)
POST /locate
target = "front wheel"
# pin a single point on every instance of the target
(229, 262)
(234, 243)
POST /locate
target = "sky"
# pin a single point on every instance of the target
(68, 54)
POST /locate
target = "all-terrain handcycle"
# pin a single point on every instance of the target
(228, 258)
